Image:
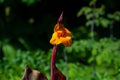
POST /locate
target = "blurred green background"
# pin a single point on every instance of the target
(26, 27)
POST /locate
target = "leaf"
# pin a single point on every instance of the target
(24, 43)
(104, 22)
(94, 52)
(89, 16)
(97, 22)
(87, 10)
(88, 23)
(58, 75)
(92, 2)
(80, 12)
(111, 16)
(84, 10)
(114, 16)
(117, 16)
(98, 60)
(90, 59)
(31, 74)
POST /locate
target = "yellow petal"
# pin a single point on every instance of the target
(55, 40)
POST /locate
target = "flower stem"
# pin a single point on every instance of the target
(53, 59)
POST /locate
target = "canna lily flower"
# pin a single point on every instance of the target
(61, 34)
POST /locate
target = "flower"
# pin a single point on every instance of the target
(61, 34)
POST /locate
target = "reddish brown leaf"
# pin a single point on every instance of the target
(31, 74)
(58, 75)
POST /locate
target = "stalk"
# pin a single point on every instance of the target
(53, 59)
(111, 30)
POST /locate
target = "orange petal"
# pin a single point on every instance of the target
(66, 41)
(59, 27)
(61, 34)
(68, 33)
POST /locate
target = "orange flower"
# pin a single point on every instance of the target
(61, 35)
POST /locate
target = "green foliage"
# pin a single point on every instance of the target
(28, 37)
(101, 52)
(104, 52)
(115, 16)
(94, 15)
(102, 48)
(14, 61)
(1, 1)
(92, 2)
(29, 2)
(81, 50)
(85, 10)
(98, 15)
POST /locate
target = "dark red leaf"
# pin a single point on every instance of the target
(31, 74)
(58, 75)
